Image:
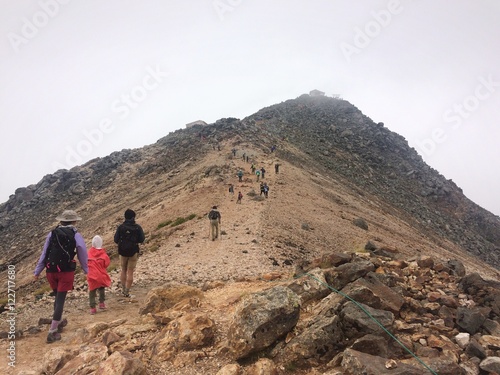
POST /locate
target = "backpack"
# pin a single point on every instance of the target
(61, 250)
(213, 215)
(128, 241)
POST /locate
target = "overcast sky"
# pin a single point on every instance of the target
(81, 79)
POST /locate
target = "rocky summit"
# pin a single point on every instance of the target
(361, 259)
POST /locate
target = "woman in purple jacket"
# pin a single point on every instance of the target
(59, 250)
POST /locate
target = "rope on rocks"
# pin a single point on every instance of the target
(371, 317)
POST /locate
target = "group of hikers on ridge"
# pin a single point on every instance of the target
(64, 243)
(61, 246)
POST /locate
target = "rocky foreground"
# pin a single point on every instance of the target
(363, 313)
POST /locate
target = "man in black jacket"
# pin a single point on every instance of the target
(128, 236)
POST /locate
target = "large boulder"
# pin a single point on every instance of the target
(491, 364)
(121, 363)
(87, 361)
(262, 318)
(360, 319)
(358, 363)
(316, 344)
(55, 358)
(311, 286)
(372, 344)
(470, 320)
(371, 291)
(457, 267)
(188, 332)
(344, 274)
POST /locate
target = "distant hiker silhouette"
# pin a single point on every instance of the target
(214, 217)
(276, 168)
(240, 175)
(262, 190)
(266, 189)
(231, 189)
(257, 173)
(262, 171)
(240, 197)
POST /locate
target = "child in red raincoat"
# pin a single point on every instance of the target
(97, 277)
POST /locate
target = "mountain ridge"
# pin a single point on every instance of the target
(330, 206)
(326, 135)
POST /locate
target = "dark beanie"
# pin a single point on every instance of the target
(129, 214)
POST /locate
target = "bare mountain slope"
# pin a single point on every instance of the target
(336, 167)
(344, 167)
(306, 215)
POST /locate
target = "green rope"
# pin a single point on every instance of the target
(371, 317)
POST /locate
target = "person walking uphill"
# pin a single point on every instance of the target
(214, 217)
(98, 277)
(128, 236)
(58, 259)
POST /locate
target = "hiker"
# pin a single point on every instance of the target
(240, 197)
(276, 168)
(240, 175)
(231, 189)
(257, 173)
(273, 148)
(59, 250)
(244, 156)
(128, 236)
(247, 158)
(233, 151)
(252, 167)
(261, 188)
(98, 277)
(214, 217)
(266, 189)
(262, 171)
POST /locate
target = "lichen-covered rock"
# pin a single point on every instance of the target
(261, 318)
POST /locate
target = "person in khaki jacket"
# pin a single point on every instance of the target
(214, 217)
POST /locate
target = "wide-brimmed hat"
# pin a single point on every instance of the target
(69, 216)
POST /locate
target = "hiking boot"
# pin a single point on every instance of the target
(93, 310)
(102, 306)
(126, 293)
(53, 337)
(62, 324)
